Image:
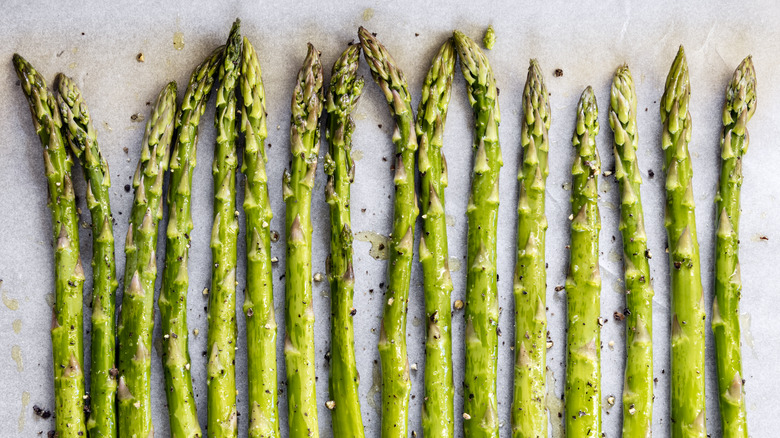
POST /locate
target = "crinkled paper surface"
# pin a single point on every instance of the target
(97, 43)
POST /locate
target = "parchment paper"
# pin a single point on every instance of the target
(97, 43)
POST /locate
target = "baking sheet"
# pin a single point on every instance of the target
(97, 44)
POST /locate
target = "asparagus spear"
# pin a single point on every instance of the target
(259, 300)
(396, 386)
(638, 386)
(583, 283)
(134, 415)
(222, 334)
(737, 111)
(343, 95)
(67, 325)
(82, 139)
(529, 415)
(438, 406)
(298, 183)
(480, 405)
(688, 413)
(173, 295)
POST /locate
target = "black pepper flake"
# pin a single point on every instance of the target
(43, 413)
(558, 72)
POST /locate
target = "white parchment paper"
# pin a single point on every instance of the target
(96, 43)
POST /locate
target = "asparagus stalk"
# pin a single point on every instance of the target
(67, 325)
(134, 414)
(173, 295)
(438, 406)
(480, 405)
(737, 111)
(638, 386)
(222, 334)
(396, 386)
(583, 283)
(298, 183)
(343, 95)
(688, 412)
(82, 138)
(259, 300)
(529, 415)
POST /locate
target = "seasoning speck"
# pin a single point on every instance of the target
(140, 57)
(558, 72)
(43, 413)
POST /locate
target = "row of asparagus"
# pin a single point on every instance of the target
(120, 396)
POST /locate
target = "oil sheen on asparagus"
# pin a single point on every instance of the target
(438, 418)
(222, 330)
(688, 411)
(342, 97)
(259, 300)
(298, 183)
(529, 410)
(480, 405)
(135, 329)
(396, 385)
(638, 383)
(67, 331)
(82, 138)
(582, 394)
(173, 295)
(738, 109)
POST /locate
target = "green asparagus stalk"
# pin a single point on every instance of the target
(173, 295)
(688, 412)
(438, 406)
(134, 410)
(259, 300)
(583, 283)
(396, 386)
(67, 326)
(222, 334)
(529, 410)
(480, 404)
(82, 139)
(638, 386)
(306, 108)
(343, 95)
(737, 111)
